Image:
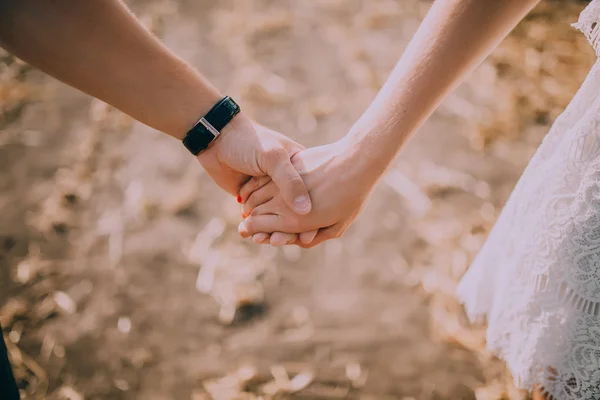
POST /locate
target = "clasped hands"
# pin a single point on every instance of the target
(290, 195)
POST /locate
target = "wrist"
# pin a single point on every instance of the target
(361, 168)
(372, 149)
(240, 124)
(189, 106)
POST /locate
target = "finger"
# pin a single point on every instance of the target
(261, 223)
(289, 182)
(258, 198)
(279, 239)
(261, 238)
(251, 186)
(323, 235)
(307, 237)
(271, 207)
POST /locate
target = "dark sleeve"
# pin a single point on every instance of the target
(8, 386)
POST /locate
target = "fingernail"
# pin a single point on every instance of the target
(258, 239)
(242, 227)
(302, 203)
(239, 198)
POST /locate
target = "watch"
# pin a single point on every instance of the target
(209, 127)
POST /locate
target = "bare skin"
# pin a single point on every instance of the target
(454, 38)
(100, 48)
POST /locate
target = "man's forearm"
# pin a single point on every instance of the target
(97, 46)
(454, 38)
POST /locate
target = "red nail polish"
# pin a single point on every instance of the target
(239, 198)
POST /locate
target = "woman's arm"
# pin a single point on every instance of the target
(99, 47)
(454, 38)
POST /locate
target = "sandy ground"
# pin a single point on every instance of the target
(121, 272)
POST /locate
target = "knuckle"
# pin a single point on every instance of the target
(297, 181)
(251, 202)
(256, 182)
(264, 181)
(275, 155)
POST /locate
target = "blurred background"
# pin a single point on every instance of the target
(121, 272)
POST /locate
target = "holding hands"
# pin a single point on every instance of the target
(274, 177)
(339, 185)
(245, 149)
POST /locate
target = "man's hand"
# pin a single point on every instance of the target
(244, 150)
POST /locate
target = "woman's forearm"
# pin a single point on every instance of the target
(454, 38)
(100, 48)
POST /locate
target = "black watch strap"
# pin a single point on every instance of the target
(209, 127)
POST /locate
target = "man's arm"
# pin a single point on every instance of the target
(99, 47)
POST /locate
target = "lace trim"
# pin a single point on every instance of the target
(589, 24)
(567, 296)
(537, 279)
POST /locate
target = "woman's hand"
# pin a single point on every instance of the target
(245, 149)
(339, 185)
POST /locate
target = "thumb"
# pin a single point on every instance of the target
(288, 180)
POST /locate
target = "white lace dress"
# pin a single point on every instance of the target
(537, 278)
